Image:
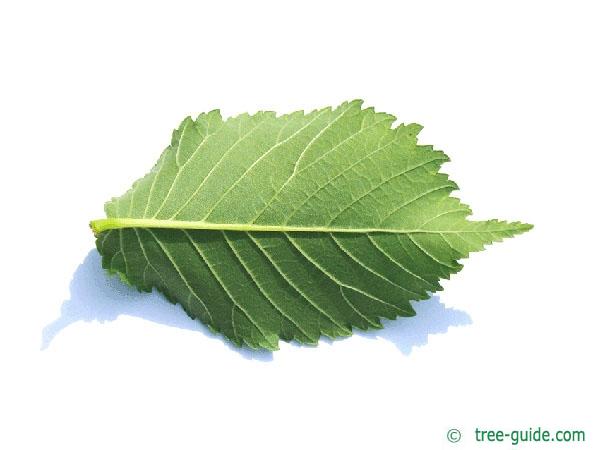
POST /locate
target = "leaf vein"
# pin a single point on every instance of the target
(260, 288)
(293, 285)
(223, 286)
(335, 279)
(183, 278)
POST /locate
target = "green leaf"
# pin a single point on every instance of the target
(293, 227)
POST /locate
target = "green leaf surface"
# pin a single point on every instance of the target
(269, 227)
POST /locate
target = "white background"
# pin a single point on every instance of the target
(89, 94)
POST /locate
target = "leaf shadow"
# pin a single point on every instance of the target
(99, 297)
(96, 296)
(433, 317)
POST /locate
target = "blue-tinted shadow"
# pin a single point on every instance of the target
(96, 296)
(432, 317)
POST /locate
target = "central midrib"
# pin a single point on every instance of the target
(101, 225)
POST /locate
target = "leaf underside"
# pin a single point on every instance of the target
(292, 227)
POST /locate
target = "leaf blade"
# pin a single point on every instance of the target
(293, 227)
